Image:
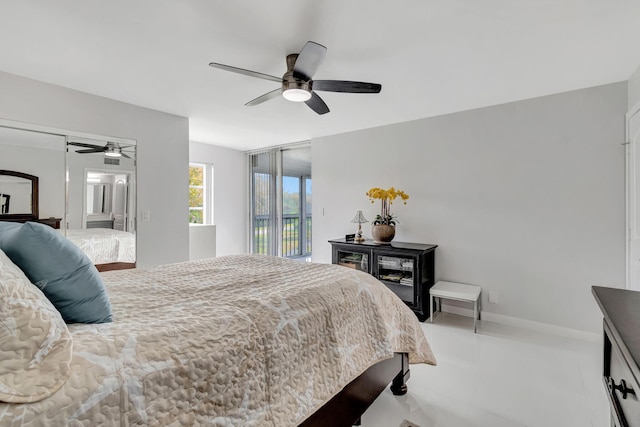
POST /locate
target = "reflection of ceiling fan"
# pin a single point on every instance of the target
(112, 149)
(297, 84)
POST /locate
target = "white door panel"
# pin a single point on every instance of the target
(633, 188)
(120, 208)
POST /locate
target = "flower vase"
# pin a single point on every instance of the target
(383, 233)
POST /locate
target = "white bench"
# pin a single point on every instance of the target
(457, 292)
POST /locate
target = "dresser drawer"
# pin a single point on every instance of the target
(621, 385)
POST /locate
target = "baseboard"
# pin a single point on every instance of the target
(524, 323)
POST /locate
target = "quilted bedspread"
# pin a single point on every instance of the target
(243, 340)
(104, 245)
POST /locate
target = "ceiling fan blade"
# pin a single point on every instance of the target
(125, 156)
(246, 72)
(317, 104)
(263, 98)
(309, 60)
(91, 150)
(81, 144)
(346, 86)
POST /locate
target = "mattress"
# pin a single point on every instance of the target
(104, 245)
(244, 340)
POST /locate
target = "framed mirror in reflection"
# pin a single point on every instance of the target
(18, 196)
(98, 198)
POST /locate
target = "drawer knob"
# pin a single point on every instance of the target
(622, 387)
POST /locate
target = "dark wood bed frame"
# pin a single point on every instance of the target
(346, 408)
(115, 266)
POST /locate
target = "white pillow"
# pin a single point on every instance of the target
(35, 344)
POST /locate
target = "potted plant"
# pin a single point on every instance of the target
(383, 227)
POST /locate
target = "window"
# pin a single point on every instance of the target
(280, 194)
(200, 200)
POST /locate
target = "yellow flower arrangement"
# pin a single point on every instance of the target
(386, 200)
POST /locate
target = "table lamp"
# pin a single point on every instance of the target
(359, 218)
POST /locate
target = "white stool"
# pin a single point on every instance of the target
(457, 292)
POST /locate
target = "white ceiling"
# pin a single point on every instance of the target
(431, 56)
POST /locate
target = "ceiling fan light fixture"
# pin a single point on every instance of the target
(296, 95)
(113, 151)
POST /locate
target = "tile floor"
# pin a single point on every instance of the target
(503, 376)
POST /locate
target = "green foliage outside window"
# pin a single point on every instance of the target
(196, 175)
(290, 203)
(196, 194)
(195, 217)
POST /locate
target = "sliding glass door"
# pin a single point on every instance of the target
(281, 192)
(263, 179)
(296, 202)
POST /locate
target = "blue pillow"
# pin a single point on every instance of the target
(61, 271)
(5, 226)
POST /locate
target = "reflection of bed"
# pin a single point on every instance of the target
(104, 246)
(239, 340)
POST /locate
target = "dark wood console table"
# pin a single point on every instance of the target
(621, 375)
(51, 222)
(408, 269)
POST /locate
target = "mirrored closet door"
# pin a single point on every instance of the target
(83, 185)
(40, 155)
(101, 199)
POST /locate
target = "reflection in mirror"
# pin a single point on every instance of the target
(4, 203)
(98, 198)
(15, 195)
(106, 200)
(18, 196)
(101, 201)
(36, 154)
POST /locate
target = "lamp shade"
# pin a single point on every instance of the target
(359, 218)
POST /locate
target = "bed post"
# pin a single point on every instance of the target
(346, 407)
(399, 383)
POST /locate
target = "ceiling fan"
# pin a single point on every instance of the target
(112, 149)
(297, 84)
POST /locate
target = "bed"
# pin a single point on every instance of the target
(244, 340)
(105, 247)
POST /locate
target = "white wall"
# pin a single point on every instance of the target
(525, 199)
(634, 89)
(163, 153)
(229, 195)
(202, 241)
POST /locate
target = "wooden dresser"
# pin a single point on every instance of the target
(620, 373)
(51, 221)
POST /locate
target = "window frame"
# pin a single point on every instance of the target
(207, 193)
